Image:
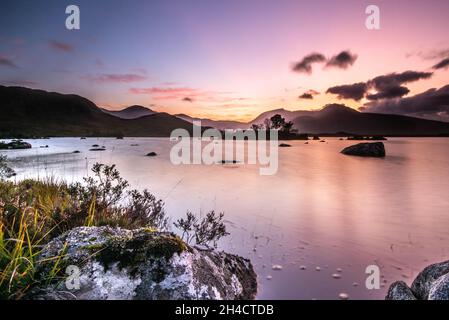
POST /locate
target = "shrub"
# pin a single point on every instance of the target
(5, 170)
(32, 212)
(206, 231)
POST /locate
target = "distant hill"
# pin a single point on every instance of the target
(132, 112)
(339, 119)
(336, 118)
(286, 114)
(35, 113)
(217, 124)
(28, 112)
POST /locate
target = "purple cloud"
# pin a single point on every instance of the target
(305, 65)
(7, 62)
(60, 46)
(343, 60)
(115, 77)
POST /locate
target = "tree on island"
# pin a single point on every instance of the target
(284, 128)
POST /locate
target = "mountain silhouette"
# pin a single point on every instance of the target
(34, 113)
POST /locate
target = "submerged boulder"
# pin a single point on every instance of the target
(375, 149)
(431, 284)
(143, 264)
(151, 154)
(284, 145)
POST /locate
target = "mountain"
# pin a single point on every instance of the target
(217, 124)
(28, 112)
(286, 114)
(132, 112)
(336, 118)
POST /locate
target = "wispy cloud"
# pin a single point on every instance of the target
(115, 77)
(22, 83)
(181, 93)
(6, 62)
(60, 46)
(443, 64)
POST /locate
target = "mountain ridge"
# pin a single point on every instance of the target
(34, 112)
(131, 112)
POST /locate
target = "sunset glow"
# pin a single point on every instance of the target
(229, 60)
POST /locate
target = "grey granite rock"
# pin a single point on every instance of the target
(399, 291)
(145, 264)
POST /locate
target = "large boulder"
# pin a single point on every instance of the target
(400, 291)
(375, 149)
(431, 284)
(426, 279)
(142, 264)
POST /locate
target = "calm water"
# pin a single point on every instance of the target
(321, 209)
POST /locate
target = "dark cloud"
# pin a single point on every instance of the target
(308, 94)
(354, 91)
(60, 46)
(343, 60)
(391, 85)
(386, 86)
(396, 79)
(7, 62)
(305, 65)
(443, 64)
(187, 99)
(389, 92)
(433, 103)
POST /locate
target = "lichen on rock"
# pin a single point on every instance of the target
(145, 264)
(431, 284)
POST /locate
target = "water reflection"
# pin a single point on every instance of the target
(322, 209)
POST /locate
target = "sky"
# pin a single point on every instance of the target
(233, 59)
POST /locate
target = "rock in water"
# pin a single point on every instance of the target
(151, 154)
(399, 291)
(142, 264)
(424, 281)
(375, 149)
(284, 145)
(431, 284)
(440, 289)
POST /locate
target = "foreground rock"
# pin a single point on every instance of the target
(116, 263)
(15, 144)
(376, 149)
(431, 284)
